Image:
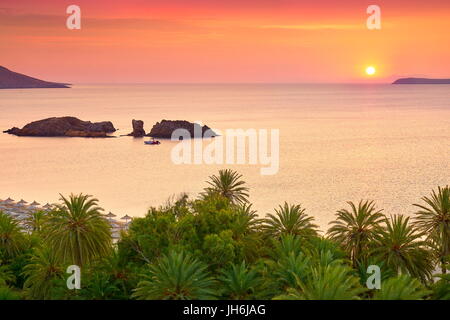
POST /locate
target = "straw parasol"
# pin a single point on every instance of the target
(21, 203)
(110, 215)
(126, 218)
(33, 207)
(9, 200)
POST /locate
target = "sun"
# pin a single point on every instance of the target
(370, 70)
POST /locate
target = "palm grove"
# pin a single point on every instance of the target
(216, 247)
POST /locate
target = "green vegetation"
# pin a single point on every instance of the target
(76, 231)
(176, 276)
(402, 287)
(217, 247)
(229, 185)
(434, 220)
(356, 229)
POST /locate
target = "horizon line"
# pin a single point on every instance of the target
(222, 83)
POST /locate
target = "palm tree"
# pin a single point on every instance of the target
(6, 275)
(240, 282)
(6, 293)
(118, 271)
(355, 229)
(288, 268)
(433, 219)
(176, 276)
(287, 244)
(11, 237)
(324, 256)
(245, 227)
(36, 221)
(229, 185)
(43, 274)
(331, 282)
(76, 232)
(400, 246)
(286, 260)
(246, 221)
(441, 288)
(364, 275)
(401, 287)
(290, 219)
(99, 287)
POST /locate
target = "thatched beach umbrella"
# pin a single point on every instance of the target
(9, 201)
(110, 215)
(47, 206)
(126, 218)
(33, 207)
(21, 203)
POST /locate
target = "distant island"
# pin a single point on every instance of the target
(14, 80)
(421, 81)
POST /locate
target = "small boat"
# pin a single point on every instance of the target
(153, 141)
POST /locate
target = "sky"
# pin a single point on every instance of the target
(228, 41)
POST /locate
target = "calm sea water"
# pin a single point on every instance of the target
(338, 143)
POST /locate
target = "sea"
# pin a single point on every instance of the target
(337, 143)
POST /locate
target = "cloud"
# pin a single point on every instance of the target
(57, 21)
(6, 10)
(316, 27)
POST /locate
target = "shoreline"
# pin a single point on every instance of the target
(23, 212)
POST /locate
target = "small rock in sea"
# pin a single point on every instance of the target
(138, 129)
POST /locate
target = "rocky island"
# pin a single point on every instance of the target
(421, 81)
(14, 80)
(165, 128)
(138, 129)
(64, 127)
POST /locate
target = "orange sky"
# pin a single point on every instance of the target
(225, 41)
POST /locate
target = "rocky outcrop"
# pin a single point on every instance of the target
(64, 127)
(421, 81)
(138, 128)
(89, 134)
(14, 80)
(165, 128)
